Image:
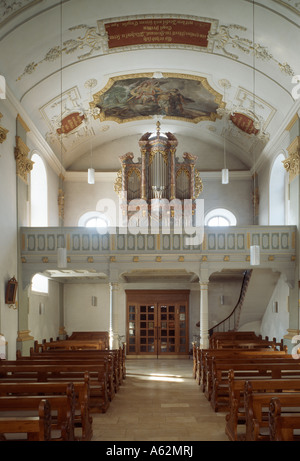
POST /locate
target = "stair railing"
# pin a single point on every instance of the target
(231, 322)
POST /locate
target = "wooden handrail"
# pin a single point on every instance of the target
(245, 282)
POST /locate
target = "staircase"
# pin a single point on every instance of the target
(232, 321)
(260, 289)
(256, 291)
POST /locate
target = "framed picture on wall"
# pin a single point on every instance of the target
(11, 291)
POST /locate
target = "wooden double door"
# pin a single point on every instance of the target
(157, 322)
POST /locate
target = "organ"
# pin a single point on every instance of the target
(158, 177)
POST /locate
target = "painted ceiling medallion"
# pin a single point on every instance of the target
(244, 123)
(175, 96)
(70, 123)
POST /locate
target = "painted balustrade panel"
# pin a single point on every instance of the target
(231, 240)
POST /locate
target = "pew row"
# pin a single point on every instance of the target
(35, 428)
(82, 417)
(235, 420)
(118, 353)
(72, 372)
(232, 335)
(283, 427)
(257, 407)
(217, 391)
(112, 382)
(62, 412)
(205, 356)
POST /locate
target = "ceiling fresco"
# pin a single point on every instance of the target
(180, 97)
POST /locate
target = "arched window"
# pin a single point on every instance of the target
(93, 219)
(220, 217)
(38, 193)
(277, 192)
(39, 284)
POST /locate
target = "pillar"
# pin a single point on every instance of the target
(204, 336)
(292, 167)
(113, 316)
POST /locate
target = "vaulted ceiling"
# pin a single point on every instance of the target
(216, 73)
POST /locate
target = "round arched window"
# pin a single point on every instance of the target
(93, 219)
(220, 217)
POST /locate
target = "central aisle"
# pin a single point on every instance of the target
(159, 401)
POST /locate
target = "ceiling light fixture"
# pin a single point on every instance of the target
(254, 249)
(61, 250)
(89, 114)
(225, 171)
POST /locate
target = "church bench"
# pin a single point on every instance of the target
(257, 407)
(217, 381)
(112, 386)
(36, 428)
(72, 344)
(283, 427)
(212, 360)
(120, 353)
(62, 411)
(235, 419)
(112, 357)
(247, 344)
(99, 401)
(231, 335)
(205, 356)
(82, 416)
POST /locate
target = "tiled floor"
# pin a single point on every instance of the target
(159, 401)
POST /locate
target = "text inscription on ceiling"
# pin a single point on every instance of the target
(158, 31)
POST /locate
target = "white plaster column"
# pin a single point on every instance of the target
(204, 337)
(113, 316)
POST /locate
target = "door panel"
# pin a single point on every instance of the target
(157, 328)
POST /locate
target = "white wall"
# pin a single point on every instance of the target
(79, 313)
(45, 324)
(8, 213)
(275, 325)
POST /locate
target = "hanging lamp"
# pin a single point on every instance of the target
(91, 170)
(254, 249)
(61, 250)
(225, 171)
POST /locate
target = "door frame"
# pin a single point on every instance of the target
(155, 297)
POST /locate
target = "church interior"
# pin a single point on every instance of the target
(150, 192)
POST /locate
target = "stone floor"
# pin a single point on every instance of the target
(159, 401)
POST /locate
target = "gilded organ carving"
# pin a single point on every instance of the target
(158, 174)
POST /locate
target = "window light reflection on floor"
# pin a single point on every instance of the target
(167, 378)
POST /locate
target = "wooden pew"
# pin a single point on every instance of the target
(74, 344)
(62, 411)
(282, 426)
(36, 428)
(217, 381)
(120, 353)
(205, 357)
(88, 335)
(99, 401)
(235, 419)
(113, 358)
(82, 416)
(218, 335)
(247, 344)
(232, 355)
(256, 412)
(62, 360)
